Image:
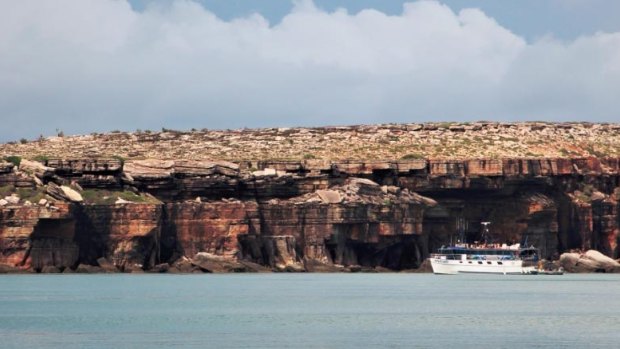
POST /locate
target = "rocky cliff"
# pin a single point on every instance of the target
(185, 213)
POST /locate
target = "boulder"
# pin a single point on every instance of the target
(252, 267)
(362, 181)
(88, 269)
(36, 168)
(591, 261)
(72, 195)
(6, 167)
(121, 201)
(9, 269)
(160, 268)
(183, 265)
(133, 268)
(211, 263)
(63, 193)
(268, 172)
(329, 196)
(316, 266)
(12, 199)
(3, 202)
(50, 269)
(106, 265)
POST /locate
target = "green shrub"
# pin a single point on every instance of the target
(109, 197)
(15, 160)
(6, 190)
(412, 156)
(309, 156)
(32, 195)
(41, 158)
(119, 158)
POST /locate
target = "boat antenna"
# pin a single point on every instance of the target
(485, 231)
(460, 229)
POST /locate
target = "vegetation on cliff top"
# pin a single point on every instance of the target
(364, 142)
(109, 197)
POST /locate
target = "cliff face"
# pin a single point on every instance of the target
(311, 214)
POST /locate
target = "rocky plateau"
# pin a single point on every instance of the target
(356, 198)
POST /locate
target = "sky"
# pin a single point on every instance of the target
(82, 66)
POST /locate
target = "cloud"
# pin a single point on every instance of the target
(96, 65)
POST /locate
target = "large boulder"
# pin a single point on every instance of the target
(211, 263)
(589, 262)
(107, 265)
(329, 196)
(10, 269)
(64, 193)
(36, 168)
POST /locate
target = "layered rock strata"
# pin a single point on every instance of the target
(322, 215)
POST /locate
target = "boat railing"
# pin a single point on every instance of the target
(447, 256)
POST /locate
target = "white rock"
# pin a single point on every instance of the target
(329, 196)
(362, 181)
(37, 181)
(36, 168)
(601, 259)
(270, 172)
(42, 202)
(13, 199)
(3, 202)
(71, 194)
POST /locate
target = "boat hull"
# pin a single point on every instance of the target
(451, 267)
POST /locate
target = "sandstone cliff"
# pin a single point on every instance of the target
(73, 208)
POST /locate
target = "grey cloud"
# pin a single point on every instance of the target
(86, 65)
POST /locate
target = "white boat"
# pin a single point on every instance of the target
(483, 258)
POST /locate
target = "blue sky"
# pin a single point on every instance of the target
(85, 66)
(532, 19)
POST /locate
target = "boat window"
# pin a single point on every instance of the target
(500, 263)
(479, 262)
(469, 262)
(488, 262)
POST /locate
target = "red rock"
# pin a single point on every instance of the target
(484, 167)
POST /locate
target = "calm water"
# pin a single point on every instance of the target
(309, 311)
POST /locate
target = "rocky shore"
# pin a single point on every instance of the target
(359, 198)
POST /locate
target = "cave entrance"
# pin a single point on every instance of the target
(517, 215)
(393, 252)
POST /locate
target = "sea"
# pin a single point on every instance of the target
(390, 310)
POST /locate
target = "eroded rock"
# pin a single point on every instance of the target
(588, 262)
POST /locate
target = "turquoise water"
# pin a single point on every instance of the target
(309, 311)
